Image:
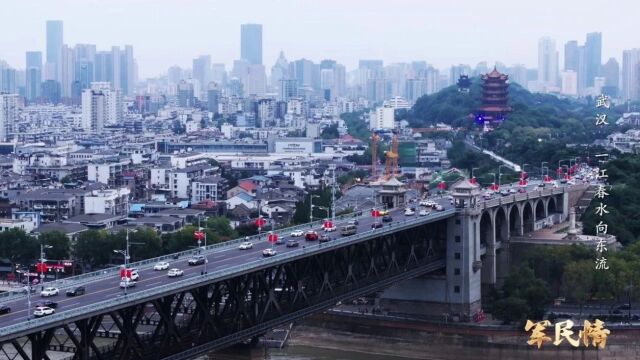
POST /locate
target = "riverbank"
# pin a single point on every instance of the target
(423, 340)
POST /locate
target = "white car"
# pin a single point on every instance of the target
(50, 291)
(43, 311)
(426, 203)
(245, 245)
(175, 273)
(439, 208)
(159, 266)
(330, 229)
(409, 212)
(512, 191)
(268, 252)
(424, 212)
(127, 284)
(297, 233)
(134, 275)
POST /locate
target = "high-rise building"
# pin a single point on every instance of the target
(174, 75)
(518, 74)
(302, 71)
(288, 89)
(8, 114)
(202, 73)
(101, 105)
(213, 97)
(116, 58)
(7, 78)
(251, 43)
(185, 94)
(255, 80)
(67, 66)
(34, 75)
(103, 69)
(457, 70)
(382, 118)
(50, 92)
(611, 72)
(630, 75)
(593, 55)
(54, 46)
(571, 56)
(547, 62)
(279, 71)
(569, 83)
(219, 74)
(127, 71)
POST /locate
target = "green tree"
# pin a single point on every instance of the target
(60, 243)
(330, 132)
(247, 229)
(222, 227)
(578, 281)
(511, 309)
(93, 248)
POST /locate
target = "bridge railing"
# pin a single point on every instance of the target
(85, 278)
(217, 274)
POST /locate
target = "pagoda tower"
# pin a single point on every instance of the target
(495, 96)
(464, 84)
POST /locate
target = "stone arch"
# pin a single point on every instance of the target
(552, 205)
(528, 218)
(540, 209)
(486, 229)
(501, 225)
(515, 220)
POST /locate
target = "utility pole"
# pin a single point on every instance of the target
(333, 198)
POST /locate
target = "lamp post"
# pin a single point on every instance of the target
(499, 174)
(42, 260)
(311, 196)
(542, 170)
(205, 241)
(472, 171)
(494, 180)
(125, 253)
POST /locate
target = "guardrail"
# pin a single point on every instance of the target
(85, 278)
(26, 326)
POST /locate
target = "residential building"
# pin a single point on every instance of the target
(382, 118)
(107, 201)
(108, 172)
(34, 75)
(9, 107)
(208, 188)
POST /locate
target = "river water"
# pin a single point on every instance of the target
(313, 353)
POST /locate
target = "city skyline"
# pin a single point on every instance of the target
(348, 35)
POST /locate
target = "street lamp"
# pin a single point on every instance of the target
(311, 196)
(205, 239)
(125, 253)
(494, 178)
(542, 169)
(42, 260)
(472, 171)
(499, 174)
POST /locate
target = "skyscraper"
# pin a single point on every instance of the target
(251, 43)
(7, 78)
(571, 55)
(202, 73)
(127, 71)
(279, 71)
(611, 71)
(185, 94)
(8, 114)
(630, 75)
(547, 62)
(593, 56)
(54, 46)
(34, 74)
(213, 97)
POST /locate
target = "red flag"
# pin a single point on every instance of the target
(41, 267)
(199, 235)
(260, 222)
(272, 237)
(375, 213)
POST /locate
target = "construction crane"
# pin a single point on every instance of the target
(374, 153)
(391, 163)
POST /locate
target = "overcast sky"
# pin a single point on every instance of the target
(168, 32)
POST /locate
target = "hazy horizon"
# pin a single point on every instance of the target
(166, 33)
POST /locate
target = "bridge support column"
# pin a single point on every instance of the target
(502, 262)
(489, 257)
(565, 205)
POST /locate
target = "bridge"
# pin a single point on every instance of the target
(242, 295)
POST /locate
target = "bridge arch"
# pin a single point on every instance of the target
(528, 217)
(552, 206)
(486, 229)
(515, 220)
(540, 209)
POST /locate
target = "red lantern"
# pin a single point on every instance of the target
(327, 224)
(524, 175)
(199, 235)
(494, 187)
(442, 185)
(272, 237)
(125, 273)
(41, 267)
(547, 179)
(260, 222)
(522, 182)
(375, 213)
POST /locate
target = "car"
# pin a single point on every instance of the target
(293, 243)
(353, 222)
(297, 233)
(383, 212)
(324, 238)
(134, 275)
(43, 311)
(4, 309)
(376, 225)
(541, 185)
(522, 190)
(387, 218)
(279, 241)
(127, 284)
(513, 191)
(409, 212)
(426, 203)
(330, 228)
(163, 265)
(245, 245)
(175, 272)
(504, 192)
(197, 260)
(311, 235)
(439, 208)
(424, 212)
(80, 290)
(269, 252)
(49, 291)
(48, 303)
(24, 290)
